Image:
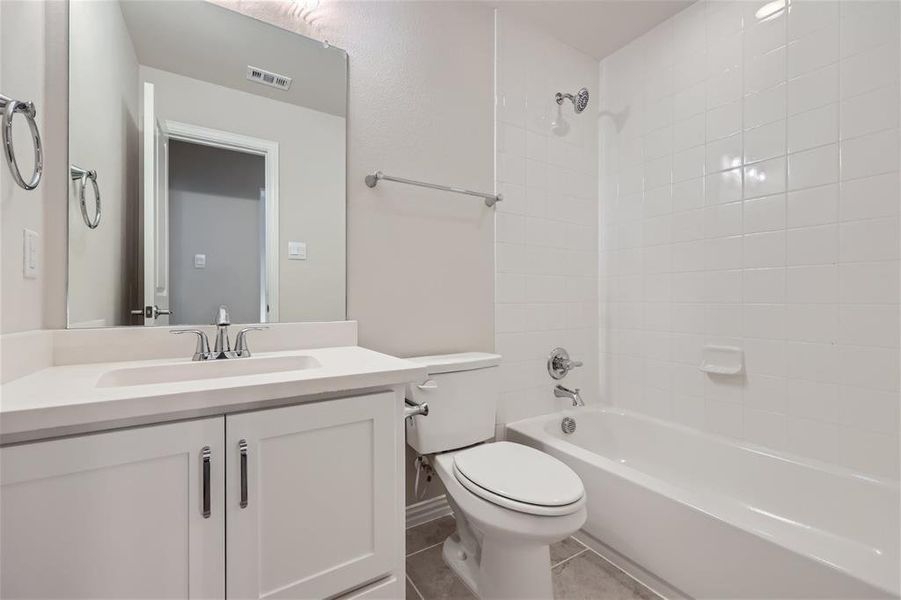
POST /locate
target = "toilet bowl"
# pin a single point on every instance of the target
(507, 521)
(510, 502)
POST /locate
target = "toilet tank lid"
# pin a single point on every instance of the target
(462, 361)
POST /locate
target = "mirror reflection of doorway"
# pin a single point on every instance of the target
(216, 226)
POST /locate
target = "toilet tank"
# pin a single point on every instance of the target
(461, 391)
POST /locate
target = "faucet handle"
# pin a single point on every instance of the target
(559, 363)
(202, 350)
(241, 349)
(222, 317)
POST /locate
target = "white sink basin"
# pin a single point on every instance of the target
(212, 369)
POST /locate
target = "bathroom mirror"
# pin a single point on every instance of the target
(206, 167)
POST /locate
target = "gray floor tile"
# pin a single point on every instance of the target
(411, 593)
(590, 577)
(429, 534)
(565, 549)
(434, 579)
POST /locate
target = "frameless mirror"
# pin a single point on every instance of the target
(206, 167)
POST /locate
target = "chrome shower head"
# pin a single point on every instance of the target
(580, 100)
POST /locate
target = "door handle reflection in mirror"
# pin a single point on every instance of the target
(151, 312)
(428, 384)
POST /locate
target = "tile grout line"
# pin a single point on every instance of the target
(424, 549)
(415, 589)
(626, 573)
(569, 558)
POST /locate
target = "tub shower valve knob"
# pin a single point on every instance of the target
(559, 363)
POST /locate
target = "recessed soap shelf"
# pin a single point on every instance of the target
(722, 360)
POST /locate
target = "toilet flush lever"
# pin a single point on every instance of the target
(428, 384)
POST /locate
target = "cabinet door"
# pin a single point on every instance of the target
(319, 517)
(114, 515)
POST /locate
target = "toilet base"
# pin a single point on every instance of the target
(505, 572)
(463, 563)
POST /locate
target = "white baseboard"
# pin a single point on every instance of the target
(427, 510)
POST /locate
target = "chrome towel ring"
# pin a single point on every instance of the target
(83, 176)
(10, 107)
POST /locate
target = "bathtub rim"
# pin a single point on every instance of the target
(721, 507)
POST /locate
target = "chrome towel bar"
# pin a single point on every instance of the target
(10, 107)
(83, 176)
(490, 199)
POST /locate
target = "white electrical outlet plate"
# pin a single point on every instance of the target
(297, 251)
(30, 248)
(200, 261)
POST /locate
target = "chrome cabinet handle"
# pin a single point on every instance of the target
(205, 455)
(242, 451)
(428, 384)
(10, 107)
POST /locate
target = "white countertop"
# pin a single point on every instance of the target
(65, 400)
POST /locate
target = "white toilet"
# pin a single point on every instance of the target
(510, 501)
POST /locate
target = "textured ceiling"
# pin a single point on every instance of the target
(596, 27)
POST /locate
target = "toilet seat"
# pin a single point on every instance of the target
(519, 478)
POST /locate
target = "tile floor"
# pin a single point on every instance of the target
(578, 572)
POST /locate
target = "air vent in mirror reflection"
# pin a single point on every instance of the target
(282, 82)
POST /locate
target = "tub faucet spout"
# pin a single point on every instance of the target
(564, 392)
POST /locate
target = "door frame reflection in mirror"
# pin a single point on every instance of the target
(268, 150)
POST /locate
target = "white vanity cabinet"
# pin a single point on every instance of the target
(302, 501)
(115, 515)
(320, 512)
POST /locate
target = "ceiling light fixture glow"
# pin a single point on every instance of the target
(771, 10)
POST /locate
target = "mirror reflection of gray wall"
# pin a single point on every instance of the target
(215, 224)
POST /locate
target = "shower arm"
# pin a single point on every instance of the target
(579, 99)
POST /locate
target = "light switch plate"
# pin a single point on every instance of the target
(200, 261)
(297, 250)
(30, 248)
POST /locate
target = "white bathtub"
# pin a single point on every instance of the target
(717, 519)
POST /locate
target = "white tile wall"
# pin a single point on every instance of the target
(753, 199)
(547, 224)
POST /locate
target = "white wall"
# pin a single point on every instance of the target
(311, 181)
(420, 105)
(104, 138)
(547, 224)
(750, 198)
(420, 263)
(22, 54)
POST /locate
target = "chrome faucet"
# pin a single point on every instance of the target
(564, 392)
(222, 347)
(202, 350)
